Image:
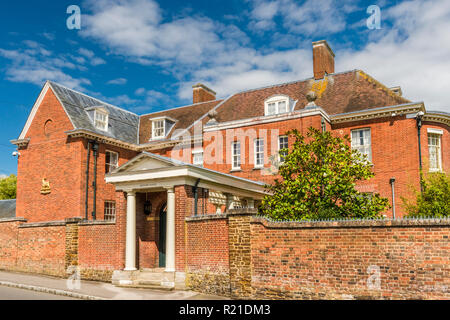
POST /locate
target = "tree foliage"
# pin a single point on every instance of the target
(319, 176)
(8, 187)
(434, 201)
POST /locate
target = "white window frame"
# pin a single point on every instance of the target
(438, 135)
(235, 156)
(257, 152)
(154, 136)
(112, 165)
(104, 123)
(109, 213)
(196, 153)
(280, 147)
(277, 100)
(364, 147)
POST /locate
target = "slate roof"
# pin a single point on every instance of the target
(7, 209)
(123, 124)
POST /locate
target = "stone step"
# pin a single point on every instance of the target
(152, 270)
(147, 286)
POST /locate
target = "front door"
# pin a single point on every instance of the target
(162, 236)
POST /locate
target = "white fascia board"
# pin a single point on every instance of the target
(403, 109)
(217, 180)
(146, 175)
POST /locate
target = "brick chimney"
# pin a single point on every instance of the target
(323, 59)
(202, 93)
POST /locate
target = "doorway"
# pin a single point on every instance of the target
(162, 236)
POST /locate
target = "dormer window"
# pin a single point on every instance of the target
(161, 127)
(158, 129)
(101, 119)
(277, 105)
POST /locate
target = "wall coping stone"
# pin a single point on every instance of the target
(72, 220)
(363, 223)
(43, 224)
(13, 220)
(233, 212)
(243, 212)
(95, 222)
(207, 217)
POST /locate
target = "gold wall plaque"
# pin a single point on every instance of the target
(45, 188)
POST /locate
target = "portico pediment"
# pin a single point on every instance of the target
(147, 161)
(150, 171)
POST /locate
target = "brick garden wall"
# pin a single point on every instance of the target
(335, 260)
(207, 262)
(101, 244)
(33, 247)
(391, 259)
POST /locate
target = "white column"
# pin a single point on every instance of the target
(170, 231)
(130, 252)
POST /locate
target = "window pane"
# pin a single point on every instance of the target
(259, 152)
(101, 120)
(111, 161)
(361, 141)
(434, 151)
(236, 155)
(282, 107)
(271, 108)
(158, 129)
(283, 144)
(198, 158)
(110, 210)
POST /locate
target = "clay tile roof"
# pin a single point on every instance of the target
(337, 93)
(184, 116)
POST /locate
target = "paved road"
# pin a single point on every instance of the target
(7, 293)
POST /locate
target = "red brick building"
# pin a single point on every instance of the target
(134, 179)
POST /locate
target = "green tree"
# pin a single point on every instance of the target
(8, 187)
(434, 201)
(318, 181)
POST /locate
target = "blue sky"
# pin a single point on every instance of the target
(144, 55)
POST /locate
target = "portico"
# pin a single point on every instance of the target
(150, 173)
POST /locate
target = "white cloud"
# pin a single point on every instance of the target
(414, 53)
(90, 55)
(35, 64)
(307, 18)
(118, 81)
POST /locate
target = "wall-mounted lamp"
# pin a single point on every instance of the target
(147, 208)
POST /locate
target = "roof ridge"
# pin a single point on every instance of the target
(292, 82)
(86, 95)
(180, 107)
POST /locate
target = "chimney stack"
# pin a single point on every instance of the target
(323, 59)
(202, 93)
